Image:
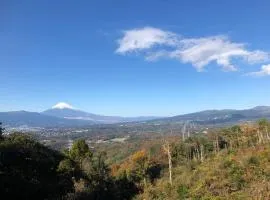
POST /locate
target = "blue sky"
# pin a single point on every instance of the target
(130, 58)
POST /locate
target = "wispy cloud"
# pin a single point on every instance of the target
(155, 43)
(265, 71)
(145, 38)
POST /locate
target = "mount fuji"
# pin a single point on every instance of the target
(61, 115)
(67, 111)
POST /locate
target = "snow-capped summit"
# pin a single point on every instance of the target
(62, 105)
(66, 111)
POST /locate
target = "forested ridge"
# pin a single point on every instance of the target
(226, 163)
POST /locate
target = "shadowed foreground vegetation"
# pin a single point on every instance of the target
(229, 163)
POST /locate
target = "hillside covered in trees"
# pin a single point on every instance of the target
(227, 163)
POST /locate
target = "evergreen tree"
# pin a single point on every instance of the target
(1, 130)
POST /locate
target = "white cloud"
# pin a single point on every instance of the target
(62, 105)
(200, 52)
(145, 38)
(155, 43)
(265, 71)
(258, 55)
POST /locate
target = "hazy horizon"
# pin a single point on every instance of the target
(116, 115)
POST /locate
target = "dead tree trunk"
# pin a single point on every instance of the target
(183, 132)
(216, 144)
(202, 152)
(166, 147)
(258, 136)
(267, 134)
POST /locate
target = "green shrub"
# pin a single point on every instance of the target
(182, 192)
(253, 160)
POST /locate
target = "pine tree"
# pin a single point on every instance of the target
(1, 130)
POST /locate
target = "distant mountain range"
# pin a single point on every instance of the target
(222, 116)
(64, 115)
(34, 119)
